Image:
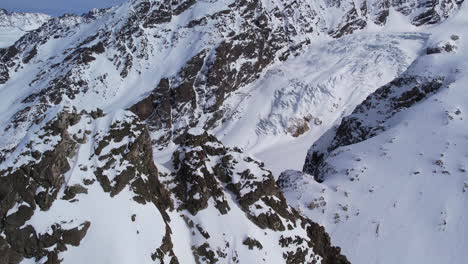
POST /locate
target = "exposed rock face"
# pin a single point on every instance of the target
(195, 184)
(299, 126)
(449, 46)
(30, 182)
(139, 172)
(33, 179)
(209, 176)
(197, 92)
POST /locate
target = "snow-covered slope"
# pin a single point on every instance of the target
(394, 171)
(110, 122)
(14, 25)
(299, 100)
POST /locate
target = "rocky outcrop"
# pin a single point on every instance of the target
(33, 178)
(207, 174)
(31, 182)
(125, 160)
(449, 46)
(195, 184)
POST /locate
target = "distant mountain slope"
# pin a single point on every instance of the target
(14, 25)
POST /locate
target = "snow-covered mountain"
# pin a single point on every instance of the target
(155, 131)
(394, 171)
(14, 25)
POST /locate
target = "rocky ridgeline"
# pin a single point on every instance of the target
(211, 177)
(207, 176)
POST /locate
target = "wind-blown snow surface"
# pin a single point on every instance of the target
(401, 196)
(14, 25)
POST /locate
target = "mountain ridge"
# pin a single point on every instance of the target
(106, 118)
(14, 25)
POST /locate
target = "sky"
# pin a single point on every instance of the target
(56, 7)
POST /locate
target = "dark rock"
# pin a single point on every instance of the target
(7, 254)
(166, 248)
(321, 244)
(447, 48)
(97, 114)
(350, 23)
(249, 191)
(19, 218)
(252, 243)
(21, 186)
(204, 253)
(202, 186)
(74, 236)
(138, 153)
(144, 108)
(24, 241)
(72, 191)
(31, 55)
